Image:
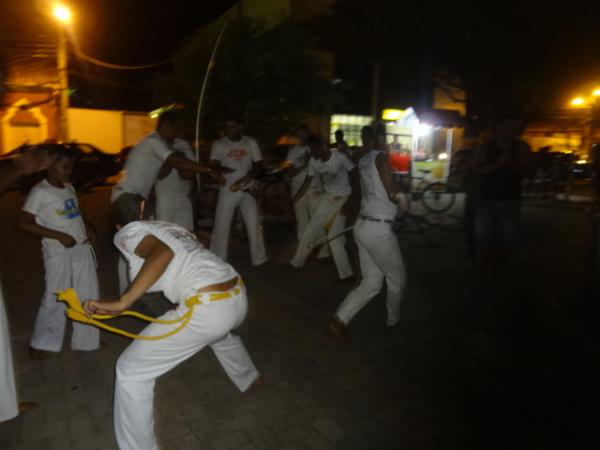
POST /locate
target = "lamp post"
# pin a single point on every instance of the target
(590, 106)
(63, 16)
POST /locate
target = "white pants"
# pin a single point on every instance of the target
(304, 208)
(175, 209)
(326, 212)
(226, 204)
(143, 361)
(8, 393)
(380, 257)
(66, 267)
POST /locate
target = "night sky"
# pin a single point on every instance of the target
(556, 45)
(129, 32)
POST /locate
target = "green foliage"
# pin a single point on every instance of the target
(269, 75)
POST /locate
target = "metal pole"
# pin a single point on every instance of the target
(63, 86)
(211, 64)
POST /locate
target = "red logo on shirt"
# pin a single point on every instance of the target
(237, 154)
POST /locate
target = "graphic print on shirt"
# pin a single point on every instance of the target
(237, 154)
(71, 210)
(187, 240)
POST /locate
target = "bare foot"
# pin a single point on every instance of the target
(259, 381)
(37, 355)
(338, 329)
(28, 406)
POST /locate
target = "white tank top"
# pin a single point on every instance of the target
(375, 202)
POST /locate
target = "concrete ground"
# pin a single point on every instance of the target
(467, 368)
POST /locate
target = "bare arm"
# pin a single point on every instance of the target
(352, 206)
(28, 224)
(383, 168)
(157, 256)
(215, 165)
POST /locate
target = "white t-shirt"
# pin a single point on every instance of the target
(192, 267)
(57, 209)
(297, 157)
(333, 173)
(142, 166)
(173, 185)
(236, 155)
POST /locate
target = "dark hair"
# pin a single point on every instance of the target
(367, 132)
(169, 119)
(233, 116)
(379, 128)
(126, 208)
(339, 131)
(59, 150)
(314, 139)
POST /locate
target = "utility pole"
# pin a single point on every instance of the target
(63, 85)
(63, 16)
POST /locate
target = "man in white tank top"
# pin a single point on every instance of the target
(378, 247)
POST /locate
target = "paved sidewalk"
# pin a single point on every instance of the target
(465, 369)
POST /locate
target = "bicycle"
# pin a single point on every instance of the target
(437, 197)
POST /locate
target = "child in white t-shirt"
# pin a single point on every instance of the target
(52, 213)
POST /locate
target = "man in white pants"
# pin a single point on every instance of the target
(26, 164)
(378, 246)
(166, 257)
(145, 162)
(173, 191)
(241, 155)
(298, 158)
(333, 168)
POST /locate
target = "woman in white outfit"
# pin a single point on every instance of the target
(166, 257)
(378, 247)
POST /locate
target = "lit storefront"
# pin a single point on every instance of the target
(414, 143)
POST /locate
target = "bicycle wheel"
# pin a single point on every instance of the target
(403, 203)
(438, 197)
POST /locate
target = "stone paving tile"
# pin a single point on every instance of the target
(452, 375)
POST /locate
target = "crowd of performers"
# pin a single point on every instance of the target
(332, 189)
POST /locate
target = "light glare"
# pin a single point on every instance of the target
(62, 13)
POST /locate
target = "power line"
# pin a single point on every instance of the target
(97, 62)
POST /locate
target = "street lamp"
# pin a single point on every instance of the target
(63, 16)
(589, 105)
(62, 13)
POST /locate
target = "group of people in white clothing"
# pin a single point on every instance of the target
(164, 254)
(332, 180)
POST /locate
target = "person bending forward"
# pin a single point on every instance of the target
(166, 257)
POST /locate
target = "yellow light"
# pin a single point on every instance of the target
(596, 92)
(62, 13)
(392, 114)
(578, 101)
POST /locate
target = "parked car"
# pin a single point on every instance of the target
(92, 166)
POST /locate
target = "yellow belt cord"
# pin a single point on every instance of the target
(75, 312)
